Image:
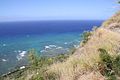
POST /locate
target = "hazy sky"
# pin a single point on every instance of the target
(15, 10)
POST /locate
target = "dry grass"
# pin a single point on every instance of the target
(113, 19)
(83, 63)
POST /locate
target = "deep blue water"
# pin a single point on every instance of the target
(49, 38)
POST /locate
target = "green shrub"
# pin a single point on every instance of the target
(40, 64)
(52, 76)
(33, 58)
(86, 36)
(43, 61)
(109, 66)
(116, 65)
(38, 77)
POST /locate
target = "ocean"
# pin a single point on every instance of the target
(48, 38)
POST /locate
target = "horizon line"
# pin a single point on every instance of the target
(55, 20)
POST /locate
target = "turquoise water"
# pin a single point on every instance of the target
(47, 45)
(49, 38)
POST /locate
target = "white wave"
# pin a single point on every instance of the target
(50, 46)
(65, 43)
(19, 51)
(47, 47)
(21, 55)
(59, 48)
(4, 60)
(43, 51)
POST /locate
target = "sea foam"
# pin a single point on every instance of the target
(21, 55)
(4, 60)
(50, 46)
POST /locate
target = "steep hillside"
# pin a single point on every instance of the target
(84, 64)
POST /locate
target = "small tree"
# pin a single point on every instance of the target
(86, 36)
(33, 58)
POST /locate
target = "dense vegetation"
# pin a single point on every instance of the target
(109, 65)
(86, 36)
